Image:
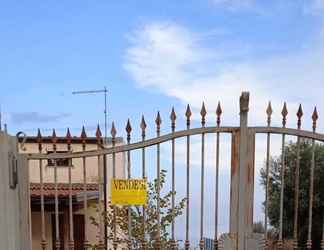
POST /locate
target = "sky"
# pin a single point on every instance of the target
(152, 55)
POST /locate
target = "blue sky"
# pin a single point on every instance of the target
(153, 55)
(163, 53)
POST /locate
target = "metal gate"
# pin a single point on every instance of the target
(240, 235)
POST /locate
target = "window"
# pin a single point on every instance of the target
(59, 162)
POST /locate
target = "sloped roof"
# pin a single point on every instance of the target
(63, 189)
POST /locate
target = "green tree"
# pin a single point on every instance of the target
(289, 189)
(151, 222)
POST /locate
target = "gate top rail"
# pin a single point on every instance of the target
(187, 132)
(170, 136)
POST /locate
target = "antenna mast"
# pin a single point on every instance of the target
(104, 90)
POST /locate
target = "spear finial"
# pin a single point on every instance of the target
(54, 138)
(173, 118)
(269, 113)
(68, 136)
(143, 127)
(188, 115)
(299, 116)
(314, 118)
(98, 135)
(158, 122)
(113, 130)
(219, 112)
(83, 135)
(39, 140)
(128, 130)
(284, 114)
(39, 136)
(203, 113)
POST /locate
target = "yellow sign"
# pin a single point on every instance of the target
(128, 191)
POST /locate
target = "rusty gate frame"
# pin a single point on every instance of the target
(240, 235)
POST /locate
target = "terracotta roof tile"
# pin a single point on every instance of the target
(63, 189)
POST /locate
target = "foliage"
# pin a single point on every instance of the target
(289, 189)
(151, 219)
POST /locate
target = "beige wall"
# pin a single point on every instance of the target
(77, 170)
(37, 233)
(91, 231)
(14, 203)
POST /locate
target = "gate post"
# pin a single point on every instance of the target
(242, 182)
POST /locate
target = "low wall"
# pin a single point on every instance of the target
(14, 197)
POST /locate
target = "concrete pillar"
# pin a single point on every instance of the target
(14, 196)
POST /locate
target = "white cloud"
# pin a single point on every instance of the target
(171, 59)
(176, 61)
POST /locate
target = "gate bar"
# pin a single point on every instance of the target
(85, 196)
(129, 208)
(143, 127)
(284, 113)
(218, 120)
(297, 173)
(158, 240)
(311, 186)
(269, 113)
(44, 242)
(173, 118)
(202, 176)
(187, 242)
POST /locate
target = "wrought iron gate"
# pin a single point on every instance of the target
(240, 235)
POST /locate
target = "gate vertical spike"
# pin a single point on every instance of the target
(143, 127)
(173, 118)
(269, 113)
(71, 228)
(100, 188)
(187, 242)
(299, 116)
(113, 133)
(83, 137)
(309, 242)
(219, 112)
(203, 113)
(188, 115)
(218, 121)
(284, 114)
(57, 240)
(297, 176)
(128, 131)
(40, 147)
(158, 122)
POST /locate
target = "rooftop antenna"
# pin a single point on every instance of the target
(87, 92)
(104, 90)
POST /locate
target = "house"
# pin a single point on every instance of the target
(72, 190)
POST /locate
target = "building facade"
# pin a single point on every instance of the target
(68, 180)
